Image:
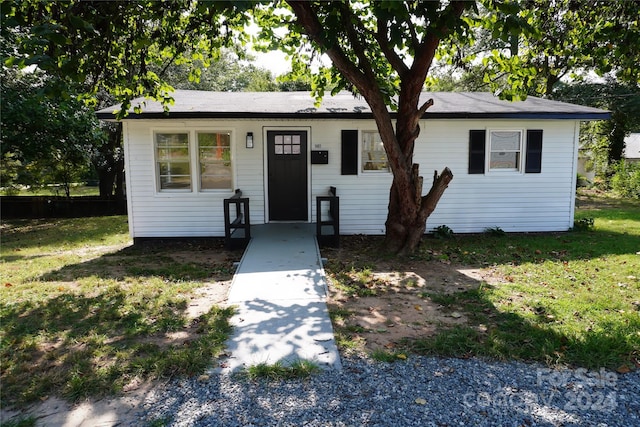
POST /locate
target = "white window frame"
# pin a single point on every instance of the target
(156, 161)
(362, 162)
(194, 159)
(522, 152)
(197, 159)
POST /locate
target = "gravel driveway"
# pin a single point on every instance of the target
(421, 391)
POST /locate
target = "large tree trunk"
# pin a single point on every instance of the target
(408, 212)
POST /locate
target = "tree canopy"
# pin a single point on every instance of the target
(49, 138)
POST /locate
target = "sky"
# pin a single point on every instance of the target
(274, 61)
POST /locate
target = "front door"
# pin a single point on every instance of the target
(287, 165)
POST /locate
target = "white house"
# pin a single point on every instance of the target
(514, 163)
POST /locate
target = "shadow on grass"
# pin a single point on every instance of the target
(172, 261)
(125, 321)
(502, 335)
(25, 234)
(479, 250)
(80, 346)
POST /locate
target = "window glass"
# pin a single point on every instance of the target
(374, 158)
(506, 150)
(287, 144)
(172, 157)
(214, 153)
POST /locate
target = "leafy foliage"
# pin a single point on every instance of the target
(226, 73)
(626, 179)
(604, 140)
(44, 139)
(540, 41)
(495, 231)
(116, 45)
(442, 232)
(583, 224)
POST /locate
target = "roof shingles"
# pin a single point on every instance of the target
(202, 104)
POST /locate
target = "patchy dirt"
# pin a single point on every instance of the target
(394, 301)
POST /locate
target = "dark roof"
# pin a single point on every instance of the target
(454, 105)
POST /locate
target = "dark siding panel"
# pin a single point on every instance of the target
(477, 140)
(349, 152)
(533, 161)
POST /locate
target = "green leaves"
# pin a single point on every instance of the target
(112, 45)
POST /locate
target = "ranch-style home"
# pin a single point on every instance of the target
(514, 163)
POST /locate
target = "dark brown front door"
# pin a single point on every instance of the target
(287, 163)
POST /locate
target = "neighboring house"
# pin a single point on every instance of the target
(631, 151)
(514, 163)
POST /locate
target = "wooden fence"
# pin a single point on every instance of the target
(14, 207)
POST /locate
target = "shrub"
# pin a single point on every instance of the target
(582, 181)
(495, 231)
(626, 179)
(583, 224)
(442, 232)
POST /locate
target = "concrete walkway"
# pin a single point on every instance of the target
(280, 291)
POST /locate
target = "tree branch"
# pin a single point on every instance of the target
(394, 59)
(425, 107)
(308, 19)
(354, 39)
(426, 51)
(440, 184)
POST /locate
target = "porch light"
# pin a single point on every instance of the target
(249, 139)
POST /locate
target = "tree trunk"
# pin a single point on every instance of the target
(109, 163)
(408, 213)
(617, 134)
(120, 189)
(106, 177)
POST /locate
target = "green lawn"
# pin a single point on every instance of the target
(563, 298)
(83, 313)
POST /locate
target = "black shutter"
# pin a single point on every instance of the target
(533, 161)
(477, 140)
(349, 152)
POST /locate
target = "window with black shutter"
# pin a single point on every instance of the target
(349, 152)
(533, 160)
(477, 143)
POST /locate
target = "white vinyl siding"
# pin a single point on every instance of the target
(471, 203)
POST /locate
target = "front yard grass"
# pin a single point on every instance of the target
(83, 313)
(560, 298)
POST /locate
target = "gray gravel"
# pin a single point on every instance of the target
(421, 391)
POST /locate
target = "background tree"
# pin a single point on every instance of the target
(226, 73)
(44, 139)
(605, 139)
